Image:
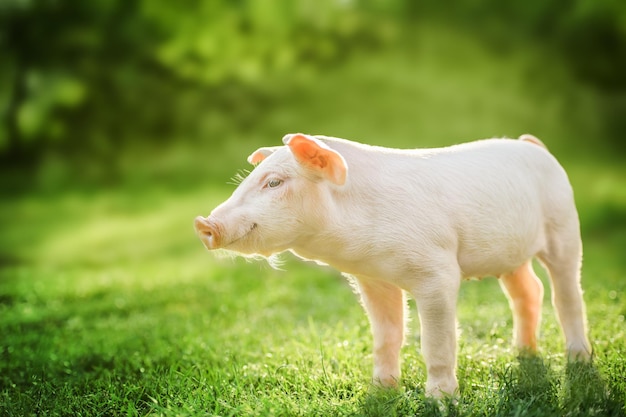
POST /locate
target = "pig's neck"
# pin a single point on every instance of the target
(344, 236)
(345, 256)
(322, 255)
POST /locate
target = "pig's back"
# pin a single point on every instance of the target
(480, 172)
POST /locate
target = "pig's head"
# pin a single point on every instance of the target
(280, 203)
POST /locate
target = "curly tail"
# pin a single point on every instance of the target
(530, 138)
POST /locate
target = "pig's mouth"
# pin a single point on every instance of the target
(254, 226)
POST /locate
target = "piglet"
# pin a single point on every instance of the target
(417, 221)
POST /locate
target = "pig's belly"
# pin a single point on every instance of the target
(495, 257)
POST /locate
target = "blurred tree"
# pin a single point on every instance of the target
(65, 62)
(86, 76)
(245, 40)
(589, 35)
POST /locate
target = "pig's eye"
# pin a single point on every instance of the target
(273, 183)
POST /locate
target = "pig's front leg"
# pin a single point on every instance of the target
(436, 297)
(384, 304)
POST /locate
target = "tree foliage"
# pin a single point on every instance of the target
(92, 74)
(89, 75)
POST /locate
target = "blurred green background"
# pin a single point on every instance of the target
(121, 120)
(139, 109)
(117, 92)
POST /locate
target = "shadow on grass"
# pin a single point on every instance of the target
(529, 387)
(586, 393)
(398, 402)
(533, 388)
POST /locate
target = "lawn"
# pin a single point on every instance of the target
(109, 304)
(111, 310)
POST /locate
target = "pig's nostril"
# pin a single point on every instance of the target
(208, 232)
(203, 226)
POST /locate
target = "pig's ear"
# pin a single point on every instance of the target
(316, 155)
(260, 154)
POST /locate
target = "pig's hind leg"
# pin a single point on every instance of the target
(385, 305)
(563, 259)
(525, 294)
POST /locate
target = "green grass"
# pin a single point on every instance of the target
(109, 305)
(111, 311)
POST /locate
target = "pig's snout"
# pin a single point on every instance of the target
(208, 231)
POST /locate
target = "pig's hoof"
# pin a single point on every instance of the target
(525, 352)
(386, 383)
(579, 354)
(442, 390)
